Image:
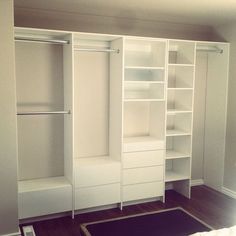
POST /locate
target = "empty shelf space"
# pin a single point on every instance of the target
(42, 184)
(176, 132)
(174, 176)
(172, 154)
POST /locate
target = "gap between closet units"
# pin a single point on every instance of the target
(108, 120)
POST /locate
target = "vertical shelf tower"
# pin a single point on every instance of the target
(143, 119)
(179, 118)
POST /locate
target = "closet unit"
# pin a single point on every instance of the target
(44, 89)
(106, 120)
(143, 118)
(180, 96)
(98, 62)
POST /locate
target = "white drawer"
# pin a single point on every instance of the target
(142, 175)
(44, 202)
(142, 191)
(142, 159)
(148, 143)
(96, 173)
(97, 196)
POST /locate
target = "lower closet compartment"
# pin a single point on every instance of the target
(44, 125)
(98, 91)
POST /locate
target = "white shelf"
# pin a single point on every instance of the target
(177, 111)
(144, 67)
(174, 176)
(180, 88)
(171, 154)
(143, 100)
(175, 64)
(143, 82)
(176, 132)
(42, 184)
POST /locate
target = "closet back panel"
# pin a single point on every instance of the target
(39, 83)
(91, 104)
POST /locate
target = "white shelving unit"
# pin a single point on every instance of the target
(44, 83)
(180, 93)
(127, 130)
(144, 118)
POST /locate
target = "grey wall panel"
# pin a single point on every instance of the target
(8, 136)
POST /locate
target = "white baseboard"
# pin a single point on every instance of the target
(196, 182)
(229, 192)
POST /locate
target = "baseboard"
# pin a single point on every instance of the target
(229, 192)
(196, 182)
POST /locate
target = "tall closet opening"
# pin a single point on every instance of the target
(44, 122)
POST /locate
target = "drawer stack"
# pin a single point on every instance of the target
(97, 182)
(143, 173)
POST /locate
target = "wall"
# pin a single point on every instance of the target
(228, 33)
(111, 25)
(8, 144)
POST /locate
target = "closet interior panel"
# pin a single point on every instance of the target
(43, 101)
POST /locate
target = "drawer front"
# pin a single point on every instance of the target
(142, 175)
(93, 175)
(142, 159)
(97, 196)
(143, 146)
(44, 202)
(142, 191)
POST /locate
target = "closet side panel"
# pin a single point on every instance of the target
(199, 115)
(215, 121)
(8, 145)
(39, 86)
(91, 103)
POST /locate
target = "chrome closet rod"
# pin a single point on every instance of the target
(40, 40)
(209, 49)
(97, 50)
(42, 113)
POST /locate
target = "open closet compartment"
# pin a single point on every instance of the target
(144, 103)
(179, 118)
(212, 62)
(44, 89)
(98, 68)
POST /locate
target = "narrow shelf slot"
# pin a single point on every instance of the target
(176, 132)
(172, 154)
(143, 100)
(177, 111)
(144, 67)
(174, 176)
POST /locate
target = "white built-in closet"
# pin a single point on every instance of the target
(105, 120)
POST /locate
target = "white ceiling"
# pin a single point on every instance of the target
(203, 12)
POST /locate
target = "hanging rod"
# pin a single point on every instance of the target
(97, 50)
(40, 40)
(209, 49)
(42, 113)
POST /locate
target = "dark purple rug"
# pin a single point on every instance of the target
(171, 222)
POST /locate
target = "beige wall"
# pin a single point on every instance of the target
(112, 25)
(8, 144)
(228, 33)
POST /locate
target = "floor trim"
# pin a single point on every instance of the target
(229, 192)
(12, 234)
(196, 182)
